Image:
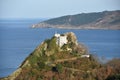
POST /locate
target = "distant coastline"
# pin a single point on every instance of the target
(85, 28)
(100, 20)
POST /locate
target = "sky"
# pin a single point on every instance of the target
(53, 8)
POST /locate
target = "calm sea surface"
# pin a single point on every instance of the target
(18, 40)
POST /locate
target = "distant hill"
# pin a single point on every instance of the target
(98, 20)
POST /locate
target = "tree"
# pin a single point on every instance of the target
(59, 68)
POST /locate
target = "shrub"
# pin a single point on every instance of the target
(41, 65)
(114, 77)
(59, 68)
(33, 59)
(52, 57)
(52, 46)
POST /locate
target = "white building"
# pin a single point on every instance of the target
(61, 40)
(57, 35)
(86, 55)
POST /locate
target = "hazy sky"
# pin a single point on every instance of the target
(53, 8)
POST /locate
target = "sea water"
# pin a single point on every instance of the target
(18, 40)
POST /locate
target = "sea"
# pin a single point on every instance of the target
(18, 40)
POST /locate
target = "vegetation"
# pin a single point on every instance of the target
(59, 68)
(76, 20)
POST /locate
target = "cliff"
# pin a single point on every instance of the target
(98, 20)
(71, 61)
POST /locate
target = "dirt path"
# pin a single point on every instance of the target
(63, 60)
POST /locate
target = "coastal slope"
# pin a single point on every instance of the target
(95, 20)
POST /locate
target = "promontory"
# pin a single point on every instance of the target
(63, 58)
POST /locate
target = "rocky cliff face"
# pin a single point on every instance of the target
(100, 20)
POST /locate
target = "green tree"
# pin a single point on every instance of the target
(59, 68)
(41, 65)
